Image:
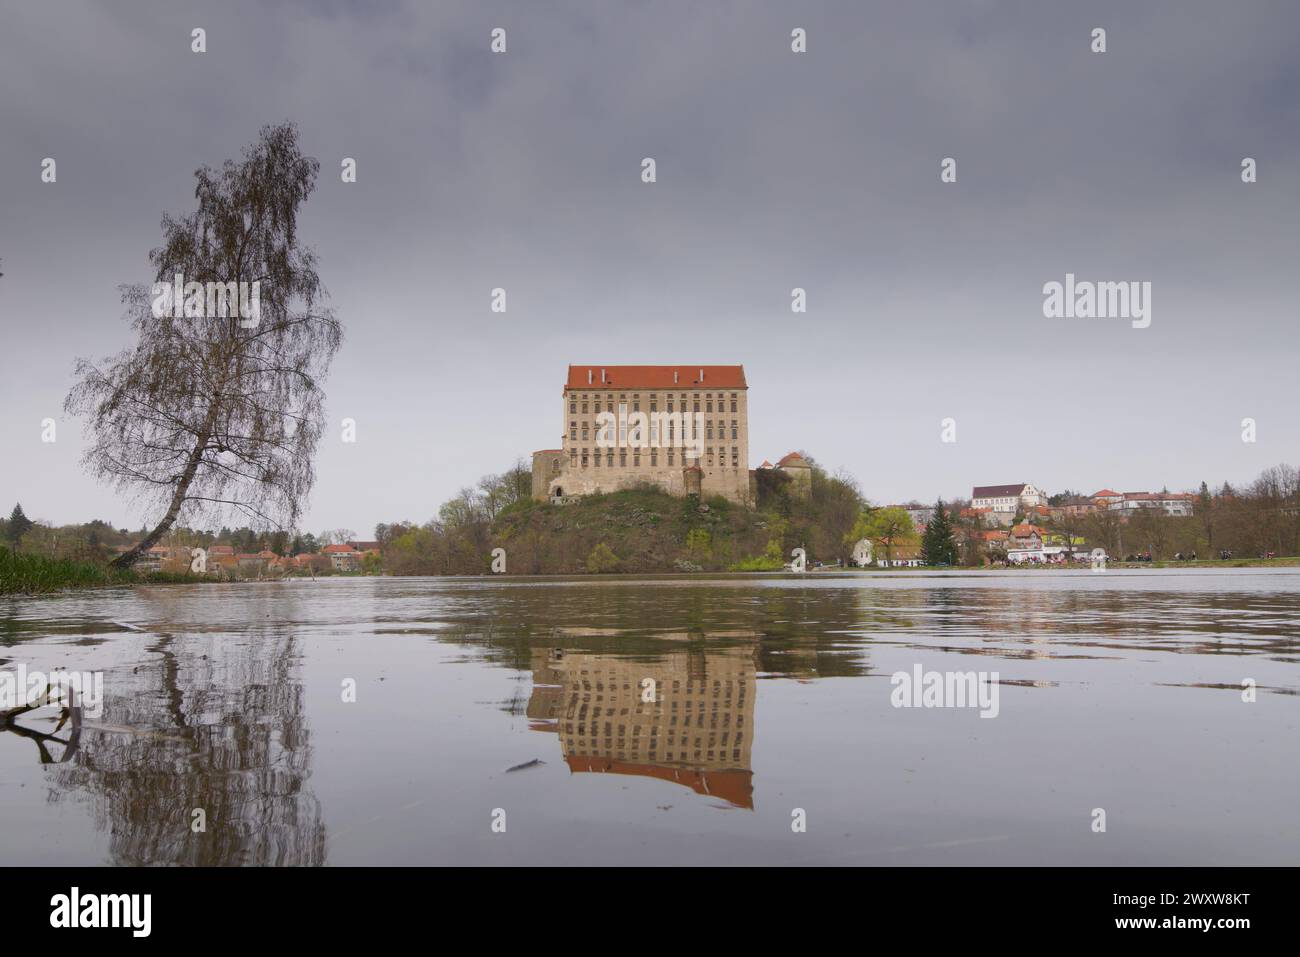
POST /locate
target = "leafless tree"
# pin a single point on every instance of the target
(217, 413)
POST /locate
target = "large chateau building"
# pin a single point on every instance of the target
(683, 428)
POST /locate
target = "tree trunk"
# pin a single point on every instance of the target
(128, 559)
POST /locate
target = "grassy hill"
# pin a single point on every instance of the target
(633, 531)
(642, 530)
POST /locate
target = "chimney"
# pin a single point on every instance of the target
(588, 377)
(674, 377)
(701, 375)
(602, 375)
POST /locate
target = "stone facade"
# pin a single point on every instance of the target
(800, 472)
(628, 425)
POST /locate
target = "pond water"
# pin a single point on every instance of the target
(663, 720)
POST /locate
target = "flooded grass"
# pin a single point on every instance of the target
(26, 574)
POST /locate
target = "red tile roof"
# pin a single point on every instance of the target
(656, 377)
(1104, 493)
(794, 458)
(338, 550)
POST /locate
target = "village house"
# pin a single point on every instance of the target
(987, 516)
(1015, 498)
(1105, 498)
(343, 557)
(901, 556)
(920, 515)
(1172, 503)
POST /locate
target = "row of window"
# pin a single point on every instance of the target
(594, 460)
(653, 438)
(654, 404)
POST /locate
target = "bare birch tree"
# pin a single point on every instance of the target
(211, 411)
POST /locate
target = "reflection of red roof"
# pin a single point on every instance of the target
(656, 377)
(221, 550)
(736, 787)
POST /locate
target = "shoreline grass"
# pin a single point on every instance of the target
(33, 574)
(25, 574)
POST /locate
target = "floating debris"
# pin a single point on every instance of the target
(527, 764)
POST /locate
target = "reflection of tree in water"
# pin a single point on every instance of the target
(217, 724)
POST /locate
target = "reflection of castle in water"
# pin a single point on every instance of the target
(697, 730)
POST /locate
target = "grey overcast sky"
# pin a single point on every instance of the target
(775, 170)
